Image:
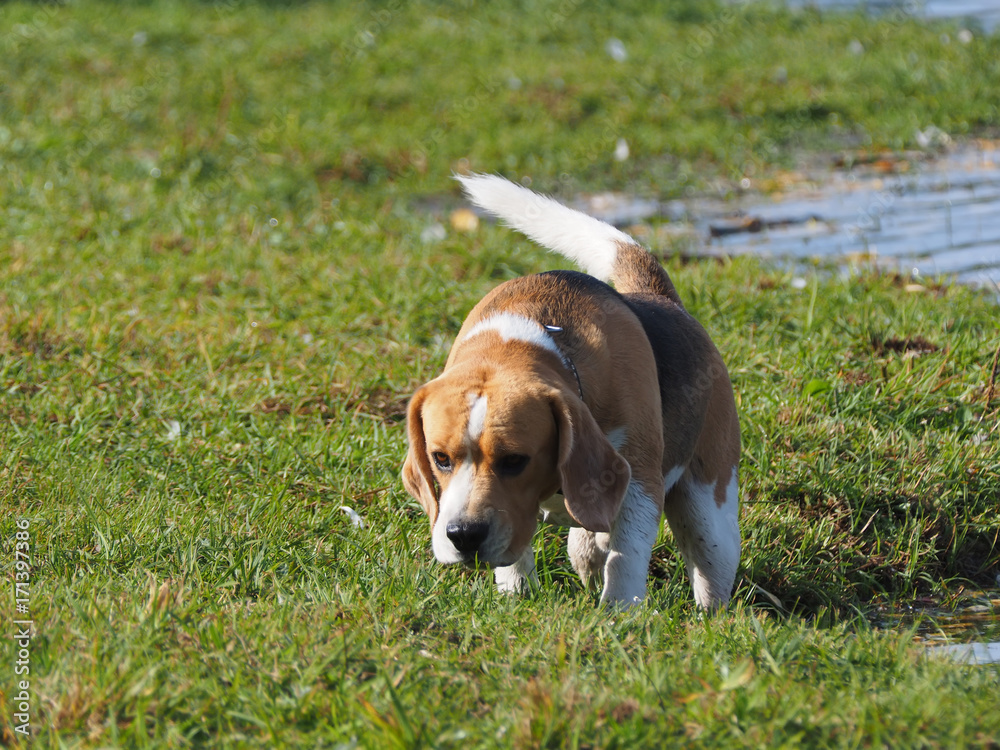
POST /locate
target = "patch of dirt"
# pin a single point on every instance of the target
(916, 345)
(30, 336)
(855, 377)
(163, 244)
(380, 402)
(363, 168)
(900, 281)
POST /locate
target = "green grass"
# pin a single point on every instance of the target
(215, 301)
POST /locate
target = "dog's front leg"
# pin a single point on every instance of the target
(588, 551)
(519, 577)
(631, 545)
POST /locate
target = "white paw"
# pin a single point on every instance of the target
(519, 577)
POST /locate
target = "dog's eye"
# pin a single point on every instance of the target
(512, 465)
(441, 460)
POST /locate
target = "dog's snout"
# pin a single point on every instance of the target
(468, 536)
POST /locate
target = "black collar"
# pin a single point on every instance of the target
(565, 358)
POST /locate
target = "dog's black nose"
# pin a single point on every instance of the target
(467, 536)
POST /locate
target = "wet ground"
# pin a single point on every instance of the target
(967, 631)
(982, 12)
(919, 216)
(915, 216)
(932, 214)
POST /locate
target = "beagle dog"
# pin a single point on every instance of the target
(594, 407)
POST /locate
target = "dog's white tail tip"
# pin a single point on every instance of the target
(581, 238)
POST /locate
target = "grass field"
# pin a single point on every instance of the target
(217, 291)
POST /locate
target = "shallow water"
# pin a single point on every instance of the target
(972, 654)
(967, 631)
(918, 214)
(984, 12)
(921, 218)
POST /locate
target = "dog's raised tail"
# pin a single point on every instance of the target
(599, 248)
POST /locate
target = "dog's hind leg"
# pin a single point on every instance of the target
(704, 521)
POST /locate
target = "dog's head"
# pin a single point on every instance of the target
(486, 450)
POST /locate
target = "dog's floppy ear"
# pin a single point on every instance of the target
(594, 476)
(417, 476)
